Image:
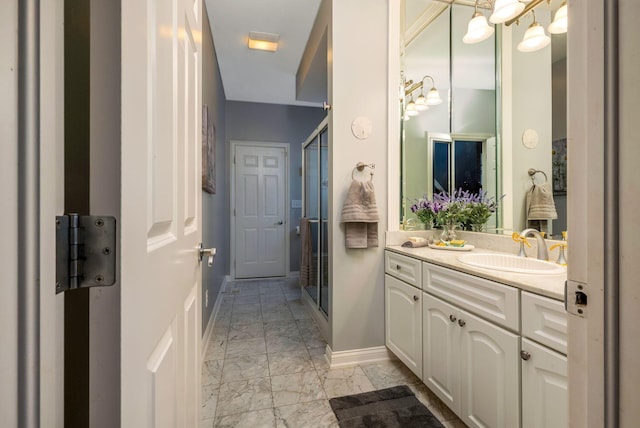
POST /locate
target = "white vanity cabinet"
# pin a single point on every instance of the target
(403, 310)
(471, 364)
(543, 364)
(492, 353)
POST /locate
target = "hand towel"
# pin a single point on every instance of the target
(540, 203)
(360, 215)
(306, 248)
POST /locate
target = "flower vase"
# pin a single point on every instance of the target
(477, 227)
(448, 232)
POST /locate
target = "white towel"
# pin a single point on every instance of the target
(540, 203)
(360, 215)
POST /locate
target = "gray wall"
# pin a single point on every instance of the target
(215, 214)
(282, 124)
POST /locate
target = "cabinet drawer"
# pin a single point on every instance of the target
(495, 302)
(545, 321)
(403, 267)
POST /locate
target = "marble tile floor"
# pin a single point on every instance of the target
(264, 365)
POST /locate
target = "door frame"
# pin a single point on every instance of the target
(232, 204)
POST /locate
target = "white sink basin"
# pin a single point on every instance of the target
(509, 263)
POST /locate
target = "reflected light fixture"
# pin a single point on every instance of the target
(504, 10)
(534, 38)
(559, 24)
(421, 102)
(263, 41)
(478, 28)
(411, 109)
(433, 96)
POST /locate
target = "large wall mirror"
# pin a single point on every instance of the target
(503, 112)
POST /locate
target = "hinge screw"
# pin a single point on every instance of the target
(99, 222)
(99, 279)
(107, 250)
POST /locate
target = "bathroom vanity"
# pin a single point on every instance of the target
(490, 344)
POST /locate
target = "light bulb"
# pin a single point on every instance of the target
(559, 24)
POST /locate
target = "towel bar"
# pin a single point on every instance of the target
(360, 166)
(532, 172)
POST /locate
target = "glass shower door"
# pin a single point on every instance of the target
(316, 210)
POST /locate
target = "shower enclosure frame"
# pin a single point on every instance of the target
(319, 222)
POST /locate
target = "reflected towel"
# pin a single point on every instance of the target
(360, 215)
(305, 248)
(540, 203)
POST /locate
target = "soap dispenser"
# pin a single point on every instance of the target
(562, 261)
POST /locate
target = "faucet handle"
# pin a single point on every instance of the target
(561, 258)
(521, 239)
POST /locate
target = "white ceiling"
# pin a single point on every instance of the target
(258, 76)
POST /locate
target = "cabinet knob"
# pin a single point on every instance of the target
(462, 323)
(452, 318)
(525, 355)
(416, 298)
(398, 267)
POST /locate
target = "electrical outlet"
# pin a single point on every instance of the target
(206, 298)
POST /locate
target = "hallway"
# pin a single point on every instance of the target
(264, 364)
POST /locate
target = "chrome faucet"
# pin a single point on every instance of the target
(543, 254)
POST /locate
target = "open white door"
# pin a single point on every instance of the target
(160, 213)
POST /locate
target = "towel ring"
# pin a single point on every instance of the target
(532, 173)
(360, 167)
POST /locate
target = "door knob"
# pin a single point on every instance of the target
(280, 223)
(209, 253)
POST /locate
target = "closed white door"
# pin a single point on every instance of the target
(403, 322)
(545, 396)
(161, 213)
(259, 207)
(490, 381)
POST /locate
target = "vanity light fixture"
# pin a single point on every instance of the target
(421, 102)
(478, 28)
(559, 24)
(411, 109)
(534, 38)
(504, 10)
(433, 96)
(263, 41)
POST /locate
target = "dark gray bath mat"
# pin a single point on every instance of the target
(395, 407)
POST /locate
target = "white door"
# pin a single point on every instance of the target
(51, 314)
(260, 217)
(544, 387)
(403, 322)
(160, 218)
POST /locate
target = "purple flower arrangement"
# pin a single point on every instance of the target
(459, 207)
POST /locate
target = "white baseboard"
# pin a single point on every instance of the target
(214, 313)
(357, 356)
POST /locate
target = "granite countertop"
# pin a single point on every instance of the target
(543, 284)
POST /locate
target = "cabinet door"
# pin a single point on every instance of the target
(544, 387)
(440, 350)
(403, 322)
(489, 373)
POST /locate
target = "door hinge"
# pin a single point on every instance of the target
(575, 298)
(85, 251)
